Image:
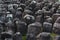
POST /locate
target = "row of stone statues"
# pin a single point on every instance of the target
(35, 19)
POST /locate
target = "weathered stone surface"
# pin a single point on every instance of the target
(56, 26)
(44, 36)
(57, 37)
(6, 35)
(21, 27)
(17, 36)
(31, 36)
(47, 27)
(55, 16)
(34, 28)
(29, 19)
(49, 20)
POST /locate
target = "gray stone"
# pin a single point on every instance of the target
(17, 36)
(7, 1)
(6, 35)
(55, 16)
(29, 19)
(39, 12)
(51, 0)
(57, 37)
(49, 20)
(56, 26)
(21, 27)
(1, 28)
(28, 12)
(31, 36)
(44, 36)
(39, 18)
(34, 28)
(47, 27)
(47, 13)
(1, 1)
